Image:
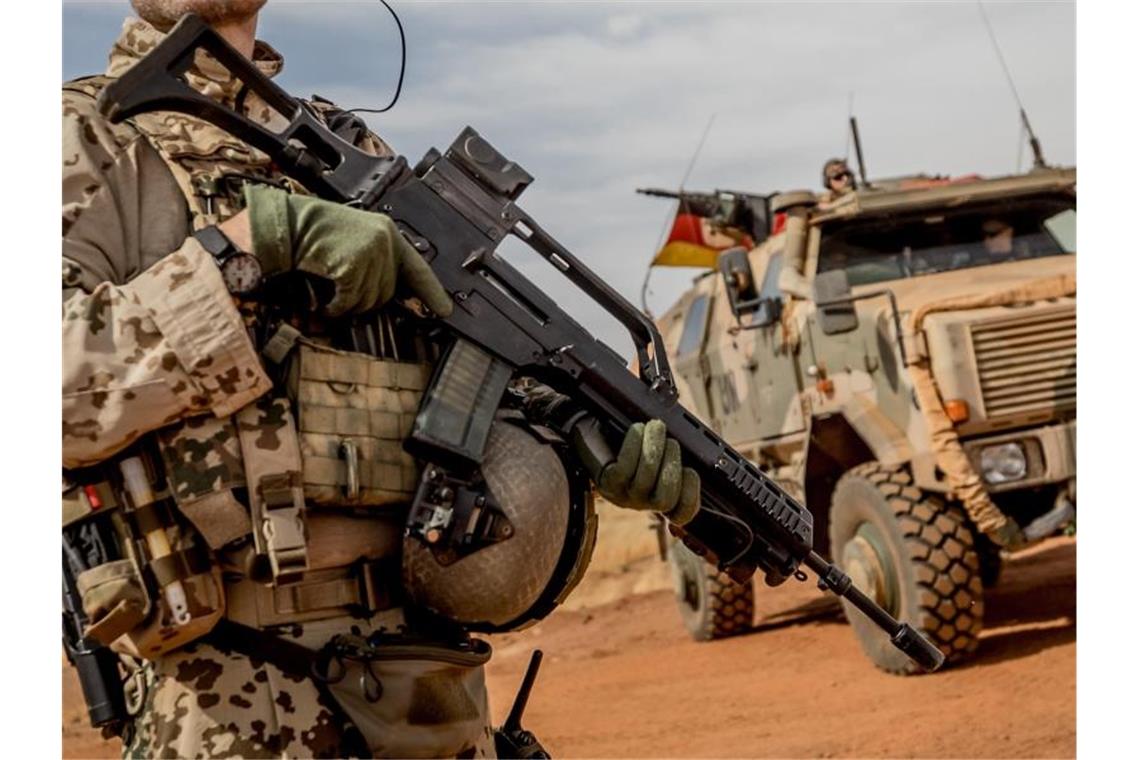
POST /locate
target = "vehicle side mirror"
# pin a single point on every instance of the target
(739, 283)
(768, 311)
(831, 292)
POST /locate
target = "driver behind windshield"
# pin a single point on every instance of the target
(998, 239)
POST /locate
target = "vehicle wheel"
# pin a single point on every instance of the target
(712, 605)
(914, 555)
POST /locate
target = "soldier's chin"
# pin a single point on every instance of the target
(163, 14)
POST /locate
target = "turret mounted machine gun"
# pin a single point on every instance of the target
(748, 212)
(456, 207)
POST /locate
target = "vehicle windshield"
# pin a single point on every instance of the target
(895, 247)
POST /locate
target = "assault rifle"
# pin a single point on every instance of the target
(455, 208)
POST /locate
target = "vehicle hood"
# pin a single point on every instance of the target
(914, 292)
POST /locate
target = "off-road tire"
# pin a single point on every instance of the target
(712, 605)
(938, 584)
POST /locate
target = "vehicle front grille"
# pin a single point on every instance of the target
(1027, 363)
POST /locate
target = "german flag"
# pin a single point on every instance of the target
(697, 236)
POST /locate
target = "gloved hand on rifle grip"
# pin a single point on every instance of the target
(360, 255)
(647, 474)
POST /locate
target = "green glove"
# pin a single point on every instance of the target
(362, 255)
(647, 474)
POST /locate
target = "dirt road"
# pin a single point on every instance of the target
(624, 680)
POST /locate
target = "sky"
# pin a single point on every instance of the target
(596, 99)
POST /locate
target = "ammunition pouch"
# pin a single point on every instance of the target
(353, 413)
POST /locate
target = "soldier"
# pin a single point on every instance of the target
(997, 239)
(169, 227)
(837, 179)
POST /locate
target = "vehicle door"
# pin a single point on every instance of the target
(690, 364)
(774, 380)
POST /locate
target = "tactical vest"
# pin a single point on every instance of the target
(330, 434)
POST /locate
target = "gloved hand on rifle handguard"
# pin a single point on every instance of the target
(360, 255)
(648, 474)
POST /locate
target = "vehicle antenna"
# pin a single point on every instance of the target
(846, 131)
(859, 152)
(1020, 145)
(670, 215)
(1038, 157)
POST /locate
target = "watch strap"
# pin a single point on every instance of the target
(216, 243)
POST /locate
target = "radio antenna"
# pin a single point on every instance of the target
(846, 131)
(859, 152)
(671, 214)
(403, 65)
(1038, 157)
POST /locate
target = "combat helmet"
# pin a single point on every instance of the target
(516, 581)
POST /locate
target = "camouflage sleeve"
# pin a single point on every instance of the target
(150, 333)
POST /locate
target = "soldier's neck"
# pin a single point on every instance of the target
(240, 34)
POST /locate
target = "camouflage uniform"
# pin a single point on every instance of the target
(153, 342)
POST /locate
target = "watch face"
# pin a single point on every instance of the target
(242, 273)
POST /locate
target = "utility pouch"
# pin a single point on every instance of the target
(114, 600)
(168, 561)
(411, 698)
(353, 413)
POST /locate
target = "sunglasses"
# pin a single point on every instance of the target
(843, 175)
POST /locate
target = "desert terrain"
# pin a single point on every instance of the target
(622, 678)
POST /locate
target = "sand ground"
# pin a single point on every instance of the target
(622, 678)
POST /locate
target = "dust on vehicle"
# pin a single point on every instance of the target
(903, 359)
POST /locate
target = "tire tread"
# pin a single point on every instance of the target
(940, 544)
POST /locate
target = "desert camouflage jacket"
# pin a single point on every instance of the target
(151, 336)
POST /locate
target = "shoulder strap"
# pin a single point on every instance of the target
(90, 86)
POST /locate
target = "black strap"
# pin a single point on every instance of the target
(290, 658)
(151, 517)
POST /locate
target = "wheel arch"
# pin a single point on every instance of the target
(833, 448)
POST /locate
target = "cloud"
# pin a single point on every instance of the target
(624, 26)
(596, 99)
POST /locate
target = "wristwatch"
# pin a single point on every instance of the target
(241, 271)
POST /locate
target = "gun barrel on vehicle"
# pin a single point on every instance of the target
(657, 192)
(455, 207)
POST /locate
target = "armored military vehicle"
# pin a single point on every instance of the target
(903, 359)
